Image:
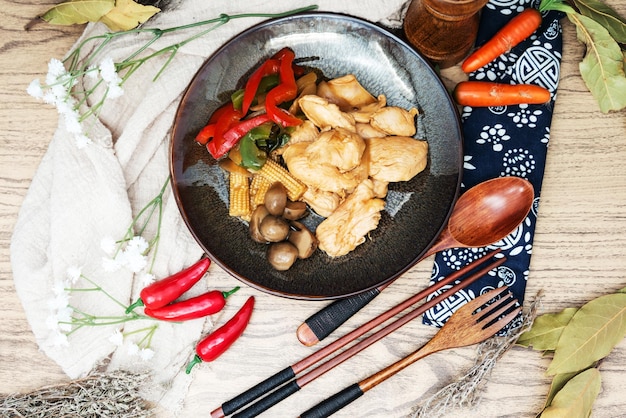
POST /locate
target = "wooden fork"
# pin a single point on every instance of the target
(472, 323)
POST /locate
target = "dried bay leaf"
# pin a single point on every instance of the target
(591, 334)
(602, 67)
(558, 382)
(78, 11)
(546, 330)
(577, 396)
(127, 14)
(604, 14)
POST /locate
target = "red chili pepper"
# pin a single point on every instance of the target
(169, 289)
(196, 307)
(285, 91)
(252, 85)
(216, 343)
(226, 120)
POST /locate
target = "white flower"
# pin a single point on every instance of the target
(146, 354)
(117, 338)
(110, 264)
(109, 75)
(34, 89)
(58, 288)
(92, 72)
(64, 107)
(60, 92)
(56, 69)
(147, 279)
(73, 274)
(138, 243)
(60, 301)
(59, 340)
(108, 245)
(50, 98)
(115, 91)
(133, 349)
(52, 323)
(135, 261)
(82, 141)
(64, 319)
(107, 70)
(72, 123)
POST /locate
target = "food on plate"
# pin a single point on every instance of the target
(293, 142)
(348, 225)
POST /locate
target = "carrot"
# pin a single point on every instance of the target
(485, 94)
(511, 34)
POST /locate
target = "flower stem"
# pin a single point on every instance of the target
(132, 63)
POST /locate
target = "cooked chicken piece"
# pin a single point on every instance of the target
(348, 225)
(365, 130)
(364, 114)
(306, 85)
(321, 176)
(338, 147)
(395, 120)
(325, 115)
(323, 203)
(396, 158)
(380, 188)
(346, 92)
(305, 132)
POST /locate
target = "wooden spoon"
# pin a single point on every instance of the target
(483, 215)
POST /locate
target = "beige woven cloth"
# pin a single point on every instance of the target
(80, 196)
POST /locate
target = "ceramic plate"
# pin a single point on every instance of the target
(416, 211)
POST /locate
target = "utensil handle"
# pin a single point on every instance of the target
(256, 391)
(333, 404)
(322, 323)
(269, 401)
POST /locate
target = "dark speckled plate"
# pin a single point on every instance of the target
(416, 210)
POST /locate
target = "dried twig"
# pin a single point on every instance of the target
(114, 394)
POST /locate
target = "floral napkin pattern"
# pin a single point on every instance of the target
(505, 141)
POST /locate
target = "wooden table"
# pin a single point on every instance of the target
(579, 251)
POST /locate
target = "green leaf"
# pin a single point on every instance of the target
(602, 68)
(591, 334)
(605, 15)
(546, 330)
(127, 15)
(558, 382)
(576, 398)
(78, 11)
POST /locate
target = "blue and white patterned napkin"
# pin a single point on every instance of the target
(505, 141)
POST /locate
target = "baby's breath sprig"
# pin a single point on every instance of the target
(132, 249)
(60, 87)
(131, 252)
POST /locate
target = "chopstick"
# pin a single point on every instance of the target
(290, 372)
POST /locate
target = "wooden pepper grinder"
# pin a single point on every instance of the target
(444, 31)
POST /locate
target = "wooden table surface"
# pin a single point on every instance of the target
(579, 250)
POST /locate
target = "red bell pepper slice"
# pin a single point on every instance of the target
(217, 147)
(208, 131)
(234, 134)
(285, 91)
(205, 134)
(269, 67)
